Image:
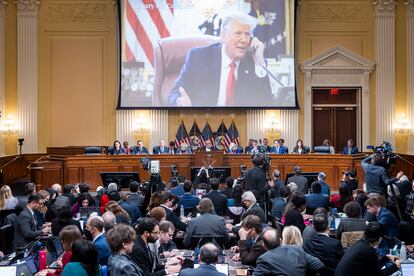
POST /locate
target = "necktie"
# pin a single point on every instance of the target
(231, 82)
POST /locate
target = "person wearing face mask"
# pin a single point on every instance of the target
(184, 148)
(94, 232)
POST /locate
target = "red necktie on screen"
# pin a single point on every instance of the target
(231, 83)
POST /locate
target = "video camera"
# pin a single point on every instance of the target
(385, 152)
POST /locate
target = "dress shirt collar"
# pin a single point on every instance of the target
(226, 60)
(94, 239)
(165, 206)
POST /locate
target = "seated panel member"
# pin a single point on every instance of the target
(116, 149)
(278, 147)
(171, 148)
(350, 148)
(265, 147)
(208, 146)
(299, 148)
(233, 148)
(140, 149)
(184, 148)
(224, 74)
(161, 148)
(127, 149)
(254, 148)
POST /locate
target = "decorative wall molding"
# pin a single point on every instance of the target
(336, 13)
(338, 67)
(255, 123)
(159, 126)
(289, 120)
(2, 66)
(28, 7)
(384, 7)
(125, 126)
(410, 71)
(76, 12)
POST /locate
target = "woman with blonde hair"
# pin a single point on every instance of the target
(120, 214)
(291, 236)
(7, 200)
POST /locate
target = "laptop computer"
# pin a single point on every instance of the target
(407, 269)
(86, 211)
(27, 267)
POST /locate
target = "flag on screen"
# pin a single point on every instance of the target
(181, 135)
(195, 135)
(147, 21)
(207, 134)
(221, 136)
(232, 135)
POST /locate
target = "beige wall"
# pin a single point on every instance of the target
(77, 82)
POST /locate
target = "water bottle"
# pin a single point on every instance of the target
(42, 258)
(403, 252)
(182, 211)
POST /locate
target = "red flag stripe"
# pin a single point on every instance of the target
(128, 53)
(157, 18)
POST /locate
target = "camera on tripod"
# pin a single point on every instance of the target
(387, 157)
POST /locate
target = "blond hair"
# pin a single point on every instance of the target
(291, 236)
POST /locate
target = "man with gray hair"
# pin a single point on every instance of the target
(229, 73)
(109, 220)
(209, 256)
(95, 226)
(252, 208)
(61, 200)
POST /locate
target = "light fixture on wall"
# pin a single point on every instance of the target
(273, 127)
(142, 125)
(402, 126)
(8, 127)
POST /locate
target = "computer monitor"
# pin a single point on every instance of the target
(407, 269)
(122, 179)
(87, 211)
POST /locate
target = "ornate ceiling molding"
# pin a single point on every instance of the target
(410, 6)
(77, 12)
(385, 7)
(27, 7)
(2, 3)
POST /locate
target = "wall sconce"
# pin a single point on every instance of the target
(8, 127)
(141, 125)
(402, 126)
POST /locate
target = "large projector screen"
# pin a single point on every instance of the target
(207, 53)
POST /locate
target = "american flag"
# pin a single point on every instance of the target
(222, 132)
(195, 135)
(207, 134)
(181, 135)
(232, 135)
(147, 22)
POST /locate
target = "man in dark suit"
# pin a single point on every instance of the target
(277, 184)
(171, 148)
(219, 200)
(299, 180)
(278, 147)
(188, 201)
(160, 149)
(134, 197)
(279, 204)
(140, 149)
(228, 191)
(27, 228)
(225, 74)
(326, 249)
(252, 208)
(284, 260)
(207, 224)
(350, 148)
(95, 226)
(316, 199)
(362, 259)
(166, 201)
(209, 255)
(148, 231)
(132, 210)
(256, 179)
(254, 148)
(265, 147)
(384, 217)
(208, 147)
(249, 145)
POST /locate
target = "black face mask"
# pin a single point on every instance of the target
(243, 205)
(88, 235)
(151, 239)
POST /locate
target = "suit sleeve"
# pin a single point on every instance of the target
(262, 267)
(313, 263)
(188, 233)
(25, 226)
(177, 222)
(387, 180)
(248, 257)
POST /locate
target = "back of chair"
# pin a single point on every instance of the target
(6, 238)
(322, 149)
(349, 238)
(92, 150)
(169, 56)
(4, 214)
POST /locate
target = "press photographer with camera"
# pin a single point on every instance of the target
(256, 180)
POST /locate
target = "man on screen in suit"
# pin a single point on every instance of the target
(160, 149)
(225, 74)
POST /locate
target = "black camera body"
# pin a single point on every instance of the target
(387, 157)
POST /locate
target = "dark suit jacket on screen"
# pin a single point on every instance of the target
(200, 77)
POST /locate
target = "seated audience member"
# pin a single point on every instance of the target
(384, 217)
(235, 210)
(166, 201)
(148, 232)
(154, 201)
(171, 148)
(252, 207)
(291, 236)
(132, 210)
(349, 177)
(158, 213)
(29, 189)
(299, 148)
(251, 229)
(350, 148)
(284, 260)
(116, 149)
(109, 220)
(361, 197)
(353, 221)
(316, 199)
(310, 231)
(326, 249)
(161, 148)
(70, 192)
(121, 215)
(177, 187)
(327, 143)
(277, 184)
(64, 219)
(140, 149)
(121, 241)
(61, 200)
(95, 227)
(409, 207)
(40, 213)
(26, 228)
(292, 187)
(207, 224)
(127, 149)
(84, 260)
(166, 246)
(293, 215)
(326, 190)
(344, 196)
(229, 188)
(84, 200)
(134, 197)
(188, 201)
(209, 255)
(362, 259)
(279, 203)
(219, 200)
(208, 146)
(7, 200)
(299, 180)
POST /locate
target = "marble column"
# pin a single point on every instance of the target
(410, 71)
(125, 126)
(27, 11)
(289, 120)
(2, 34)
(255, 124)
(158, 126)
(385, 69)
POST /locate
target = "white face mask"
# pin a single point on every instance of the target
(183, 148)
